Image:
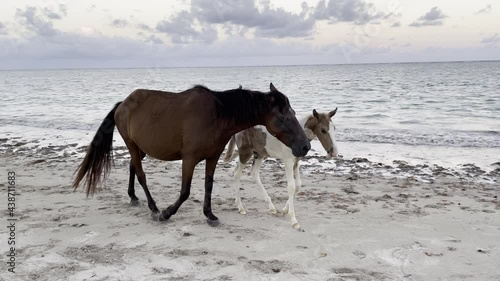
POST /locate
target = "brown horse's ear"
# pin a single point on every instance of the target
(315, 113)
(270, 98)
(273, 89)
(331, 113)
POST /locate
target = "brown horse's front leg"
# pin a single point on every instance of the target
(209, 182)
(187, 175)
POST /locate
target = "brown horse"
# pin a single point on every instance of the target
(191, 126)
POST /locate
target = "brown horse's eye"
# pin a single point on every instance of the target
(323, 131)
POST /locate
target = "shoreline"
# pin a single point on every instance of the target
(364, 159)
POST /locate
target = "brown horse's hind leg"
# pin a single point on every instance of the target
(209, 182)
(187, 175)
(134, 201)
(136, 154)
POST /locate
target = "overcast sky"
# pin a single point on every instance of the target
(147, 33)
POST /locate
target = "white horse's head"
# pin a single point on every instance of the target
(320, 125)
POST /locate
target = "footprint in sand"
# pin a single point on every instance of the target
(452, 239)
(358, 274)
(86, 237)
(403, 256)
(359, 254)
(270, 267)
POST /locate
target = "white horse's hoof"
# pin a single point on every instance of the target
(273, 211)
(242, 211)
(296, 225)
(285, 211)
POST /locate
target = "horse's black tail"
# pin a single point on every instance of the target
(99, 155)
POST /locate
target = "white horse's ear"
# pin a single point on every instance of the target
(332, 113)
(272, 88)
(315, 114)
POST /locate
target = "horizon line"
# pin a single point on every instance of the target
(238, 66)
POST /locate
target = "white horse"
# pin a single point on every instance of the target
(259, 142)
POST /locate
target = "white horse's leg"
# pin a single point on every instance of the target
(256, 177)
(255, 167)
(237, 176)
(298, 181)
(289, 208)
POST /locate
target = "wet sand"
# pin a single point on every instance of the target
(360, 221)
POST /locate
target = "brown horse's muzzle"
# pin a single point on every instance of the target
(300, 148)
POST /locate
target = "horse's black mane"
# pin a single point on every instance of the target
(245, 106)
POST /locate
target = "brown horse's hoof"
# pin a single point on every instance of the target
(156, 216)
(213, 223)
(164, 215)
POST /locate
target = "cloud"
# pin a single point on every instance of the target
(33, 22)
(79, 45)
(252, 27)
(356, 11)
(89, 48)
(92, 49)
(154, 39)
(3, 29)
(485, 10)
(278, 23)
(425, 23)
(495, 39)
(432, 18)
(182, 29)
(119, 23)
(202, 20)
(433, 15)
(123, 23)
(267, 21)
(144, 27)
(50, 13)
(91, 8)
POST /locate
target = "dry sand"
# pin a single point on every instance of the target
(360, 221)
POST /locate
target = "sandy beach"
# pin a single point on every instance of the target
(360, 221)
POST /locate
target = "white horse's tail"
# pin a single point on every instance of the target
(230, 149)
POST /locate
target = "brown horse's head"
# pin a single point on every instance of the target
(319, 125)
(282, 123)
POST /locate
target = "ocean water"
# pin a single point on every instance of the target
(444, 113)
